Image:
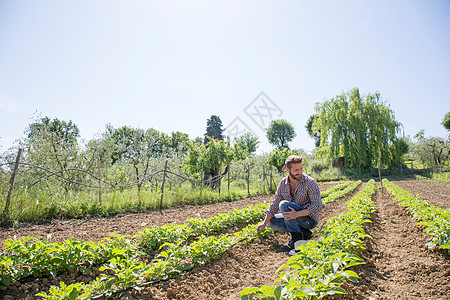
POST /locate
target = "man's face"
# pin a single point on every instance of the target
(296, 171)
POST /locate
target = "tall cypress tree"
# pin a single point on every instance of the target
(214, 129)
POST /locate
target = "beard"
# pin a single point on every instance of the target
(295, 176)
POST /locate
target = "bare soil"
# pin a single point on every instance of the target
(398, 265)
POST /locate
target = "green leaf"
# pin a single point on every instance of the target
(250, 290)
(336, 290)
(308, 291)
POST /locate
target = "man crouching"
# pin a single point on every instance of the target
(298, 199)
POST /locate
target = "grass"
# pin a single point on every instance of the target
(438, 178)
(37, 206)
(416, 164)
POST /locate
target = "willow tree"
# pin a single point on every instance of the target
(361, 129)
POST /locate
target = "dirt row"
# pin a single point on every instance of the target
(435, 194)
(398, 265)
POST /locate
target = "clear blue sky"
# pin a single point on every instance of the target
(170, 65)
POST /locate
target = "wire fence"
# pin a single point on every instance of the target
(410, 168)
(265, 177)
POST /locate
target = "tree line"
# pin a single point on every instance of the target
(361, 129)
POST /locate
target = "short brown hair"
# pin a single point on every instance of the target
(293, 159)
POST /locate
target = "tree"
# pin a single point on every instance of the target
(211, 158)
(62, 133)
(439, 150)
(360, 129)
(214, 129)
(446, 121)
(277, 158)
(432, 151)
(248, 143)
(280, 133)
(179, 142)
(420, 135)
(136, 147)
(312, 128)
(53, 143)
(398, 149)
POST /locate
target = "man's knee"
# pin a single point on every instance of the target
(284, 206)
(307, 222)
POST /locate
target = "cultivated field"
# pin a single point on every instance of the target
(398, 264)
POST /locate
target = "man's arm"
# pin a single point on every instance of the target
(314, 198)
(265, 222)
(273, 209)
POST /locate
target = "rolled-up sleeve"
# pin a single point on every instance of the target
(315, 204)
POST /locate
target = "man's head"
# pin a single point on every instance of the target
(294, 166)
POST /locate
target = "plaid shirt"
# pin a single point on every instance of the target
(307, 194)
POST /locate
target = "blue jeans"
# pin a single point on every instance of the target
(278, 222)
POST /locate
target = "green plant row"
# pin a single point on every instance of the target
(319, 268)
(347, 188)
(175, 259)
(435, 219)
(32, 256)
(152, 238)
(335, 188)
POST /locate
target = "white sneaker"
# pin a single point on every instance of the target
(296, 245)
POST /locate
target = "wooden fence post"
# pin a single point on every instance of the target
(271, 178)
(11, 183)
(248, 179)
(201, 182)
(229, 171)
(162, 187)
(264, 179)
(99, 181)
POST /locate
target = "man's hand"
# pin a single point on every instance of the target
(260, 227)
(291, 215)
